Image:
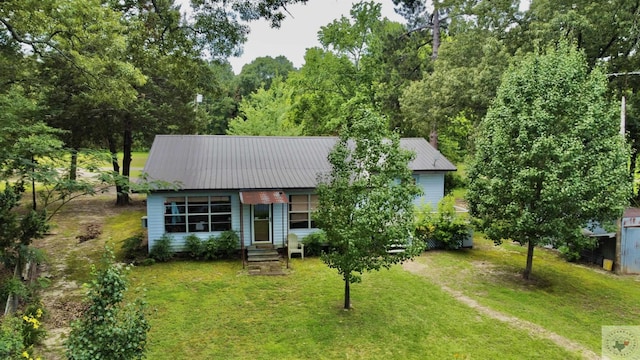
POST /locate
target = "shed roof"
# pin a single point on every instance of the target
(223, 162)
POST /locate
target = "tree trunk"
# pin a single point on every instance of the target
(123, 194)
(527, 269)
(347, 293)
(33, 183)
(116, 167)
(436, 33)
(73, 166)
(433, 138)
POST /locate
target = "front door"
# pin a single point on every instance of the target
(261, 223)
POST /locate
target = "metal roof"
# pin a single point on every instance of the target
(258, 162)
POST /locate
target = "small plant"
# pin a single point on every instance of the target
(224, 246)
(210, 248)
(161, 249)
(444, 226)
(32, 330)
(314, 242)
(228, 243)
(132, 246)
(11, 342)
(109, 329)
(194, 246)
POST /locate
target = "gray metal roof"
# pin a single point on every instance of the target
(258, 162)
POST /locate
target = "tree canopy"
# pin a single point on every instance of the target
(549, 156)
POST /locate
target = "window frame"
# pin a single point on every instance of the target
(310, 205)
(197, 214)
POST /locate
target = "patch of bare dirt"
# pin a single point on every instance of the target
(82, 219)
(517, 323)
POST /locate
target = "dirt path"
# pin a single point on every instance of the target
(533, 329)
(62, 298)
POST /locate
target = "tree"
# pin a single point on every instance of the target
(365, 202)
(261, 72)
(549, 154)
(266, 113)
(109, 329)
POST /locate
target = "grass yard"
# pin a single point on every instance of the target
(209, 310)
(215, 310)
(570, 299)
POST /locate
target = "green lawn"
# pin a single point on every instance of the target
(214, 310)
(570, 299)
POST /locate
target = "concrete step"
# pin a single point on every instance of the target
(263, 258)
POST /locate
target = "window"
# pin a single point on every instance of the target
(300, 209)
(197, 214)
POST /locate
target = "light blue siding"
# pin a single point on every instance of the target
(155, 217)
(432, 185)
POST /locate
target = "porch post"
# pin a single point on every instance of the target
(242, 234)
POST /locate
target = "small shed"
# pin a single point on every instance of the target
(628, 244)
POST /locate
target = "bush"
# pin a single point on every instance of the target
(314, 242)
(109, 329)
(445, 226)
(132, 247)
(224, 246)
(161, 250)
(11, 341)
(228, 243)
(32, 331)
(194, 246)
(453, 181)
(210, 248)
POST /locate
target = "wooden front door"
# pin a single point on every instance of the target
(262, 223)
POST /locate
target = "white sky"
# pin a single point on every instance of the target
(298, 32)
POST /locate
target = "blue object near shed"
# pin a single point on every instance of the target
(628, 254)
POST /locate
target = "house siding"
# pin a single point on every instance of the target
(432, 185)
(155, 217)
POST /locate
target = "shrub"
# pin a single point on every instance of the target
(314, 242)
(228, 242)
(194, 246)
(453, 181)
(161, 249)
(132, 246)
(445, 226)
(32, 331)
(109, 329)
(210, 248)
(11, 341)
(224, 246)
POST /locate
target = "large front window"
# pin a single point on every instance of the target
(197, 213)
(300, 209)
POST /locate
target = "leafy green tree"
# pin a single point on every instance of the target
(108, 328)
(266, 112)
(365, 202)
(260, 73)
(549, 155)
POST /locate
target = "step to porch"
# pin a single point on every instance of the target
(262, 253)
(266, 268)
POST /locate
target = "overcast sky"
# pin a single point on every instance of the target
(299, 31)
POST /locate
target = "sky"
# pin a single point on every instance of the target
(299, 31)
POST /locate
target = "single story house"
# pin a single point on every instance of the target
(262, 187)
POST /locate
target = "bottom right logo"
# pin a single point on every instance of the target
(621, 342)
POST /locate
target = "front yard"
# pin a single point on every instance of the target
(215, 310)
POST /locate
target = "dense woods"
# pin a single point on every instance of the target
(110, 74)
